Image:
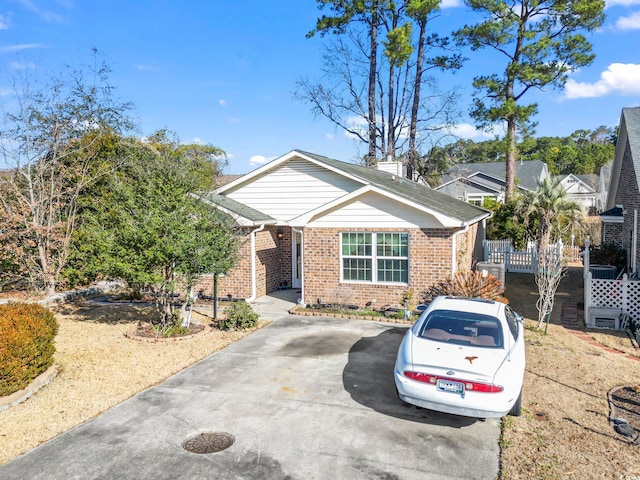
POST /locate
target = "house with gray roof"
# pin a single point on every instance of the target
(475, 182)
(344, 233)
(620, 219)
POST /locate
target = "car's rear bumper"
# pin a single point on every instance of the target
(426, 396)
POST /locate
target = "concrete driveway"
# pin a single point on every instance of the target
(304, 398)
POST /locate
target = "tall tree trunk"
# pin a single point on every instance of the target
(512, 157)
(413, 127)
(373, 66)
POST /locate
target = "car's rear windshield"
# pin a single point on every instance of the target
(463, 328)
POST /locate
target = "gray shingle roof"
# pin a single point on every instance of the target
(590, 179)
(237, 208)
(613, 212)
(632, 121)
(403, 187)
(527, 173)
(461, 186)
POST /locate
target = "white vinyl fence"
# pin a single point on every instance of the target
(520, 261)
(523, 261)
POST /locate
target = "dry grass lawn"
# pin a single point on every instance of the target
(564, 431)
(99, 368)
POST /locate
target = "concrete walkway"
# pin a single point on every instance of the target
(277, 304)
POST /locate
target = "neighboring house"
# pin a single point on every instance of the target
(581, 189)
(475, 182)
(344, 233)
(620, 220)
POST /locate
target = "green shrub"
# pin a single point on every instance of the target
(608, 254)
(174, 330)
(27, 332)
(240, 316)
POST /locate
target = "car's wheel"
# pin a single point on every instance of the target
(516, 410)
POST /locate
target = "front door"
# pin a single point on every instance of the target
(296, 260)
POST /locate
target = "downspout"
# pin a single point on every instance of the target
(253, 264)
(295, 230)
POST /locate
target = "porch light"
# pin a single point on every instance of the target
(280, 234)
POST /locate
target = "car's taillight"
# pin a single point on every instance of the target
(469, 386)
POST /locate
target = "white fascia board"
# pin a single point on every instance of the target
(610, 219)
(279, 161)
(445, 220)
(302, 220)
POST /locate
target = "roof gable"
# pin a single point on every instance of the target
(346, 179)
(578, 184)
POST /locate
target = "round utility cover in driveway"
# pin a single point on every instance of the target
(208, 442)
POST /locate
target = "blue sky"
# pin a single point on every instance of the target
(223, 72)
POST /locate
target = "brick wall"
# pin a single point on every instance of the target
(611, 233)
(628, 195)
(429, 261)
(273, 265)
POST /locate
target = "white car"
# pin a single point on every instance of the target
(463, 356)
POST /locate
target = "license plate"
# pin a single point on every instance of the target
(450, 387)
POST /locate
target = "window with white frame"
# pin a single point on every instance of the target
(375, 257)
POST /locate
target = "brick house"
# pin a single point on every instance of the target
(620, 220)
(344, 233)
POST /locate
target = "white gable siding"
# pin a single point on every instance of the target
(374, 211)
(293, 189)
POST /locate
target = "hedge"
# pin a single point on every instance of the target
(27, 332)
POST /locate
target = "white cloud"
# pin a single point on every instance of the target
(146, 68)
(468, 131)
(257, 160)
(4, 22)
(358, 124)
(222, 102)
(451, 3)
(632, 22)
(329, 136)
(46, 15)
(624, 3)
(619, 78)
(20, 46)
(234, 121)
(197, 141)
(22, 65)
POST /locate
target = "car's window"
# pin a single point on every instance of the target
(463, 328)
(512, 321)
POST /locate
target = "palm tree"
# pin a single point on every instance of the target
(549, 212)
